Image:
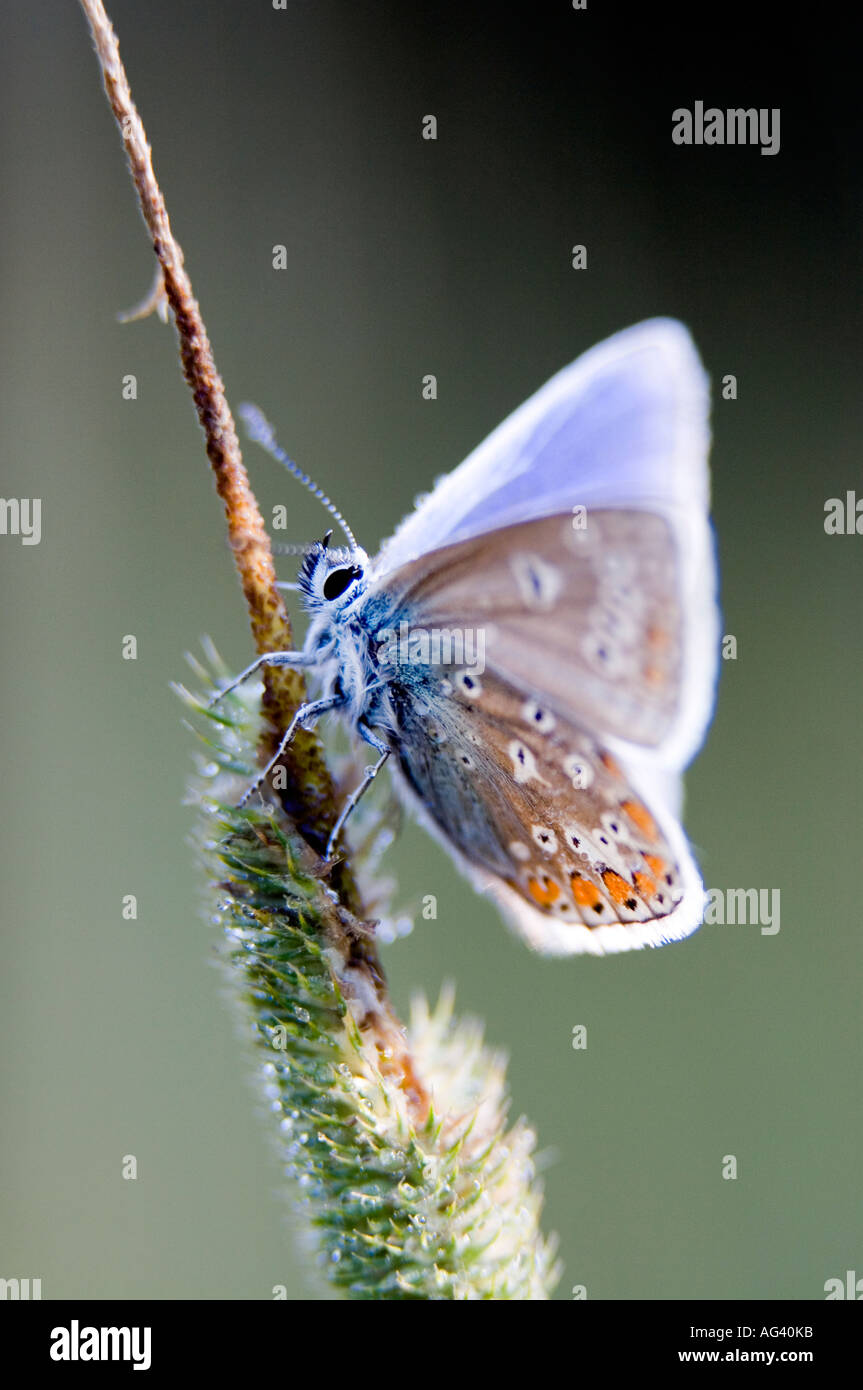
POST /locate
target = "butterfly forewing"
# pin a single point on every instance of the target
(585, 608)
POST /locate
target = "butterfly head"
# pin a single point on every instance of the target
(332, 577)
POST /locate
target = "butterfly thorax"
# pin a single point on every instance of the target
(347, 615)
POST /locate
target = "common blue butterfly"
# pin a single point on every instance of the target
(536, 647)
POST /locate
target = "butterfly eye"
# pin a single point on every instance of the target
(337, 581)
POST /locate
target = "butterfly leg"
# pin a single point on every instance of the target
(306, 712)
(368, 777)
(268, 659)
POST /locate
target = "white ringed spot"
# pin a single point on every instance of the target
(538, 717)
(578, 770)
(523, 762)
(469, 685)
(544, 838)
(539, 583)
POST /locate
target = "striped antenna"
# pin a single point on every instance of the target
(261, 431)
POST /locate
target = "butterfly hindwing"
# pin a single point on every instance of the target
(543, 815)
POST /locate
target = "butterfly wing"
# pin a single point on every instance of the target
(575, 540)
(536, 811)
(589, 621)
(624, 426)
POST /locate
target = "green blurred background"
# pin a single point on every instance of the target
(407, 257)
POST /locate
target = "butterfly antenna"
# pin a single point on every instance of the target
(261, 431)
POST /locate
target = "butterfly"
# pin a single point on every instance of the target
(535, 648)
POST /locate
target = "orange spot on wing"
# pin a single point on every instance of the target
(608, 762)
(645, 885)
(584, 891)
(641, 817)
(656, 865)
(654, 675)
(545, 893)
(618, 887)
(659, 638)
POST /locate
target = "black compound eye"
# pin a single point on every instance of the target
(338, 580)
